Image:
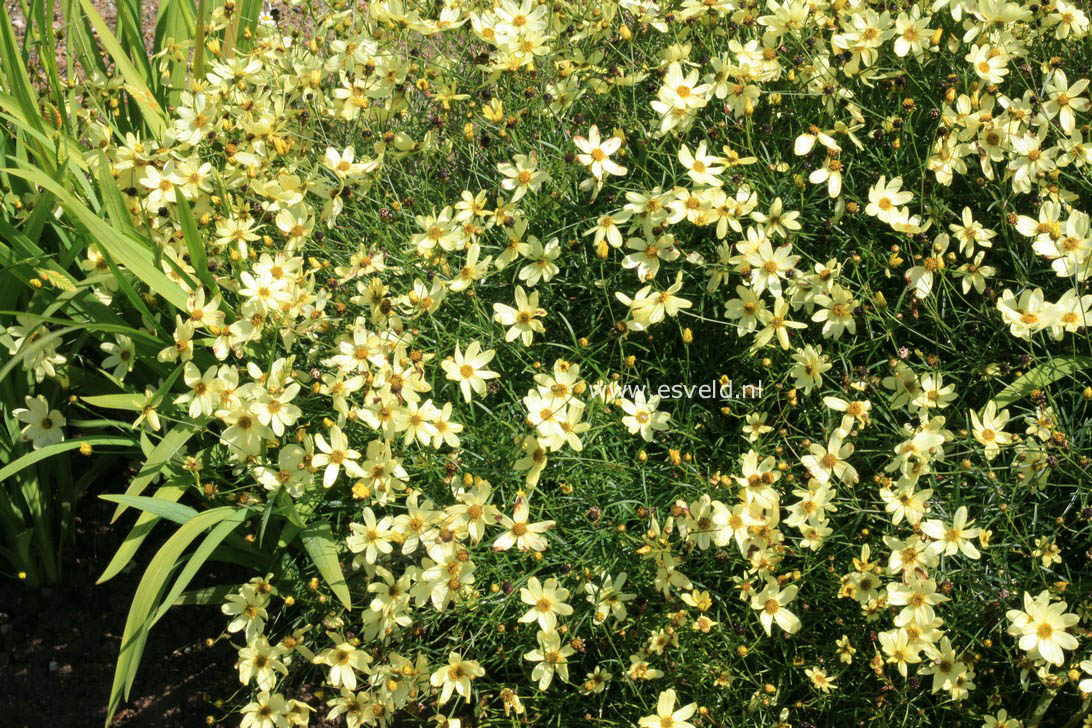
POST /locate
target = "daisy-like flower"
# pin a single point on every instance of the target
(810, 365)
(533, 460)
(344, 164)
(805, 142)
(455, 677)
(1065, 99)
(905, 502)
(468, 369)
(831, 461)
(770, 603)
(846, 650)
(769, 265)
(1042, 628)
(1032, 158)
(473, 269)
(1068, 19)
(682, 91)
(954, 538)
(830, 174)
(921, 277)
(520, 532)
(334, 455)
(642, 417)
(418, 422)
(650, 307)
(607, 231)
(988, 428)
(1001, 720)
(290, 473)
(885, 197)
(666, 714)
(858, 409)
(756, 480)
(121, 356)
(43, 425)
(912, 33)
(522, 175)
(608, 598)
(1028, 314)
(702, 167)
(649, 251)
(974, 274)
(777, 221)
(267, 710)
(552, 658)
(596, 681)
(639, 669)
(777, 323)
(747, 311)
(244, 433)
(204, 390)
(970, 232)
(820, 679)
(917, 599)
(344, 662)
(275, 410)
(1085, 686)
(247, 611)
(934, 393)
(372, 538)
(542, 266)
(989, 63)
(595, 154)
(679, 97)
(547, 603)
(899, 650)
(523, 320)
(474, 512)
(755, 426)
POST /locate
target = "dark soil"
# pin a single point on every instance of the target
(58, 646)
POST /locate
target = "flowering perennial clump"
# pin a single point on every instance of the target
(385, 292)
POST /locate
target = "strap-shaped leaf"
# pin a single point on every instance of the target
(144, 524)
(16, 78)
(130, 401)
(1041, 376)
(162, 508)
(135, 84)
(50, 450)
(194, 244)
(199, 556)
(319, 543)
(161, 454)
(128, 252)
(147, 596)
(205, 597)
